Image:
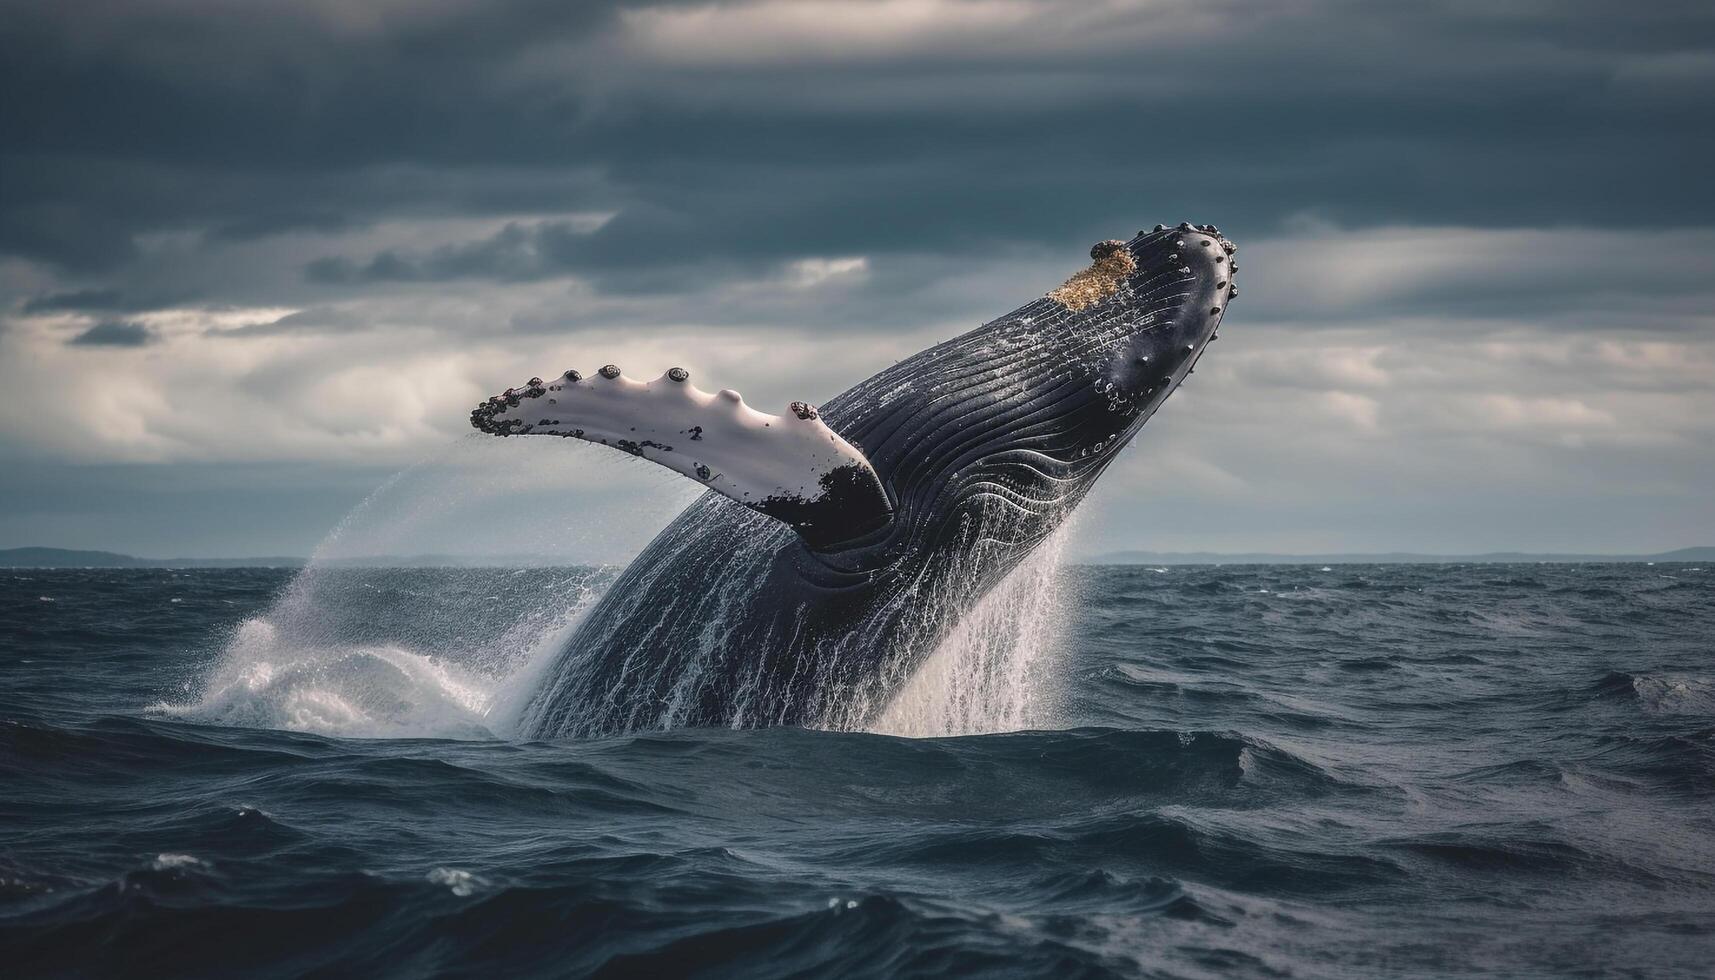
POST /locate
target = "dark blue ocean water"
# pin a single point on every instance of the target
(1255, 771)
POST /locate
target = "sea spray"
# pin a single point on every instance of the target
(263, 681)
(353, 649)
(993, 672)
(396, 652)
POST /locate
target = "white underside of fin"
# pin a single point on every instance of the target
(760, 460)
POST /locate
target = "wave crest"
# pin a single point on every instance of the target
(365, 691)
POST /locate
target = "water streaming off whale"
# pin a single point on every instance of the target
(997, 670)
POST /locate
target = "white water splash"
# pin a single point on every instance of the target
(317, 662)
(269, 677)
(458, 881)
(390, 653)
(265, 681)
(993, 672)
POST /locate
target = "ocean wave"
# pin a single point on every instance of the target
(1660, 693)
(1443, 770)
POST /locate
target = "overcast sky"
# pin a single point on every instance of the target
(257, 257)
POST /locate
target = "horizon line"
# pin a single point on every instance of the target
(68, 556)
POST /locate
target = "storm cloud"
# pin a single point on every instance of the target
(1471, 232)
(114, 333)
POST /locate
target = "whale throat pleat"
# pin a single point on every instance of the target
(792, 467)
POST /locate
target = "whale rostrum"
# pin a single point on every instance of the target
(791, 467)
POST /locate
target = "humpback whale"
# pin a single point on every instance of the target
(838, 545)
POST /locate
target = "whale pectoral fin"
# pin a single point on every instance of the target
(791, 467)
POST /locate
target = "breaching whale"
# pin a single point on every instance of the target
(837, 546)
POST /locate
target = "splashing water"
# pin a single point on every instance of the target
(992, 672)
(308, 665)
(265, 681)
(390, 652)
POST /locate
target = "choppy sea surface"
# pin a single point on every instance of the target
(1350, 771)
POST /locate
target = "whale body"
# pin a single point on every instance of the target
(838, 546)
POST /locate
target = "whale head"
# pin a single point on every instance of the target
(996, 435)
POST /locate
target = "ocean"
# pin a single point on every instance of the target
(1187, 771)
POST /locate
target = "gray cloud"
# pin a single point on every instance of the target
(516, 252)
(315, 320)
(104, 300)
(114, 333)
(1478, 239)
(977, 128)
(80, 299)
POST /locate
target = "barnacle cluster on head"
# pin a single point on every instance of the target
(1111, 263)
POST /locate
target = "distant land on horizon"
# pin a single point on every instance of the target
(70, 558)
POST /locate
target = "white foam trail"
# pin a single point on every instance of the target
(993, 671)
